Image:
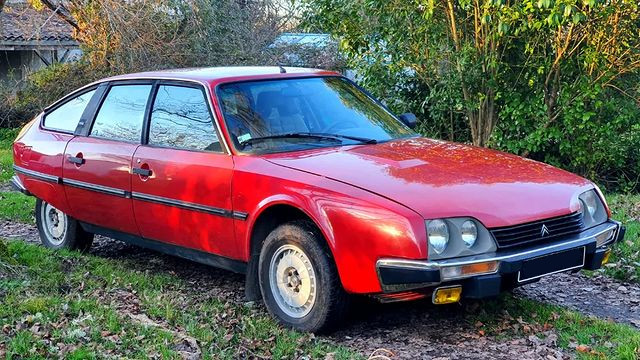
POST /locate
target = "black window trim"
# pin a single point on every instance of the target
(110, 84)
(86, 120)
(147, 119)
(84, 131)
(55, 106)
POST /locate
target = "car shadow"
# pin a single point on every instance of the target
(366, 312)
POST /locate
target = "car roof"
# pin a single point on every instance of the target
(210, 75)
(214, 75)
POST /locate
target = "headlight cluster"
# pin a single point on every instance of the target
(592, 208)
(453, 237)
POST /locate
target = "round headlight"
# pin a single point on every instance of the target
(590, 202)
(438, 233)
(469, 233)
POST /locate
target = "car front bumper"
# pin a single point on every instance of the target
(585, 250)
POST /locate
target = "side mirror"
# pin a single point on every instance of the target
(409, 119)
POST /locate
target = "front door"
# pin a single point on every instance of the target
(97, 167)
(181, 181)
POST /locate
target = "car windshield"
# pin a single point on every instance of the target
(297, 114)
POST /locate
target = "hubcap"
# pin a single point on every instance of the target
(55, 224)
(293, 281)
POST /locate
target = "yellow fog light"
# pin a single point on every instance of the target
(447, 295)
(605, 258)
(462, 271)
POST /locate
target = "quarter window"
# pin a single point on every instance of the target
(121, 115)
(180, 118)
(67, 116)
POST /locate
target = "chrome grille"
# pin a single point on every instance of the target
(531, 233)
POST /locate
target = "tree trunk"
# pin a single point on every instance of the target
(551, 92)
(551, 89)
(482, 120)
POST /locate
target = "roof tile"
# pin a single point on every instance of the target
(20, 22)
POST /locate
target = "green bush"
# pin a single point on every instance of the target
(598, 134)
(554, 80)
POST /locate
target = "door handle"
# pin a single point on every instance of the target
(75, 160)
(142, 172)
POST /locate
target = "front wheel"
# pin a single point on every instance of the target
(299, 280)
(60, 231)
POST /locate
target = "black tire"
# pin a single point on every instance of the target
(69, 235)
(331, 301)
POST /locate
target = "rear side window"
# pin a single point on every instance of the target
(180, 118)
(67, 116)
(122, 112)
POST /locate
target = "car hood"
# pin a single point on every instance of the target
(443, 179)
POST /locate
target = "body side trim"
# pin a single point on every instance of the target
(238, 215)
(38, 175)
(198, 256)
(181, 204)
(98, 188)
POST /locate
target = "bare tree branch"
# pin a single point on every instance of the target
(61, 11)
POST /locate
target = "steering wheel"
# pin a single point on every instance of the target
(339, 124)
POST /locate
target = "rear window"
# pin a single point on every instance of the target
(67, 116)
(121, 115)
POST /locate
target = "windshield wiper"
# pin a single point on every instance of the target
(355, 138)
(321, 136)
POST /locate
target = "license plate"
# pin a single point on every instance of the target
(552, 264)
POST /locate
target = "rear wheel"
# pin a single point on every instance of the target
(60, 231)
(298, 279)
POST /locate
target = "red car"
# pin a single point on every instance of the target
(308, 185)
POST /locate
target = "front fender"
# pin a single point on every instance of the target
(359, 227)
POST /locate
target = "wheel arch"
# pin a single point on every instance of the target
(271, 215)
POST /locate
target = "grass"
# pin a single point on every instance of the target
(625, 258)
(82, 306)
(6, 156)
(17, 207)
(588, 337)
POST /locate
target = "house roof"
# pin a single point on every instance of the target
(21, 26)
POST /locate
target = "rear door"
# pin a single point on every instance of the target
(181, 185)
(39, 153)
(97, 164)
